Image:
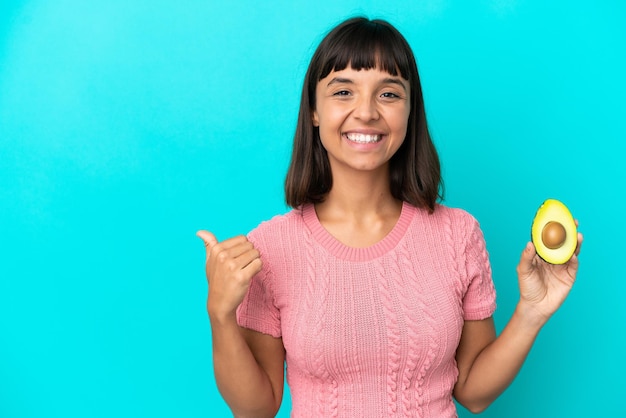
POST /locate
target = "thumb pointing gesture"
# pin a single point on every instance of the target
(209, 240)
(230, 266)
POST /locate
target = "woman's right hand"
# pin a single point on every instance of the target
(230, 266)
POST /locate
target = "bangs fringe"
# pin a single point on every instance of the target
(368, 46)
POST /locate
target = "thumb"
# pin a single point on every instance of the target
(525, 265)
(208, 239)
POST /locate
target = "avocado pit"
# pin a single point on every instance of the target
(553, 235)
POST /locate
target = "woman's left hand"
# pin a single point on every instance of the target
(544, 286)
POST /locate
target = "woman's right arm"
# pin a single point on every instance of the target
(248, 365)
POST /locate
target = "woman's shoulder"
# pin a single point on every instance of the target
(457, 226)
(452, 216)
(278, 224)
(278, 237)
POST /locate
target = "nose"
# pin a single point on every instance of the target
(366, 109)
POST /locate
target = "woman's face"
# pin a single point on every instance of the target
(362, 117)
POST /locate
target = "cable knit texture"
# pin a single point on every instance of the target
(370, 332)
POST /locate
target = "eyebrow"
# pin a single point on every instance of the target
(388, 80)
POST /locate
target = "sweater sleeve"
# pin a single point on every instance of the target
(258, 310)
(479, 301)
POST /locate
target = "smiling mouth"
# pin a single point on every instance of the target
(363, 138)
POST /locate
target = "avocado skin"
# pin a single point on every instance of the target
(554, 210)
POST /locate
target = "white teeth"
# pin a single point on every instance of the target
(363, 138)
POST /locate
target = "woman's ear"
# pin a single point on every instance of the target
(315, 119)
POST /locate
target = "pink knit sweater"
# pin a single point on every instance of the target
(370, 332)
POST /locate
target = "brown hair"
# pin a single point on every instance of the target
(415, 173)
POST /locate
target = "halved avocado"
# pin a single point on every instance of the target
(554, 232)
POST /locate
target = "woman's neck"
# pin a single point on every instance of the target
(358, 192)
(359, 210)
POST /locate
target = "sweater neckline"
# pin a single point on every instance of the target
(340, 250)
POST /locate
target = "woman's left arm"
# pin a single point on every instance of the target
(487, 365)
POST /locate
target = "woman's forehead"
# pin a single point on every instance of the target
(379, 70)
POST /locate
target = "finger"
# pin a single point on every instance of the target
(208, 238)
(239, 250)
(572, 266)
(209, 241)
(253, 267)
(525, 265)
(247, 257)
(233, 242)
(580, 243)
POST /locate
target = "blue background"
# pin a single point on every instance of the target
(125, 126)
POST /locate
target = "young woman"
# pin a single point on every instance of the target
(379, 299)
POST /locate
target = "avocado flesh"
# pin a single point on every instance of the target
(554, 211)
